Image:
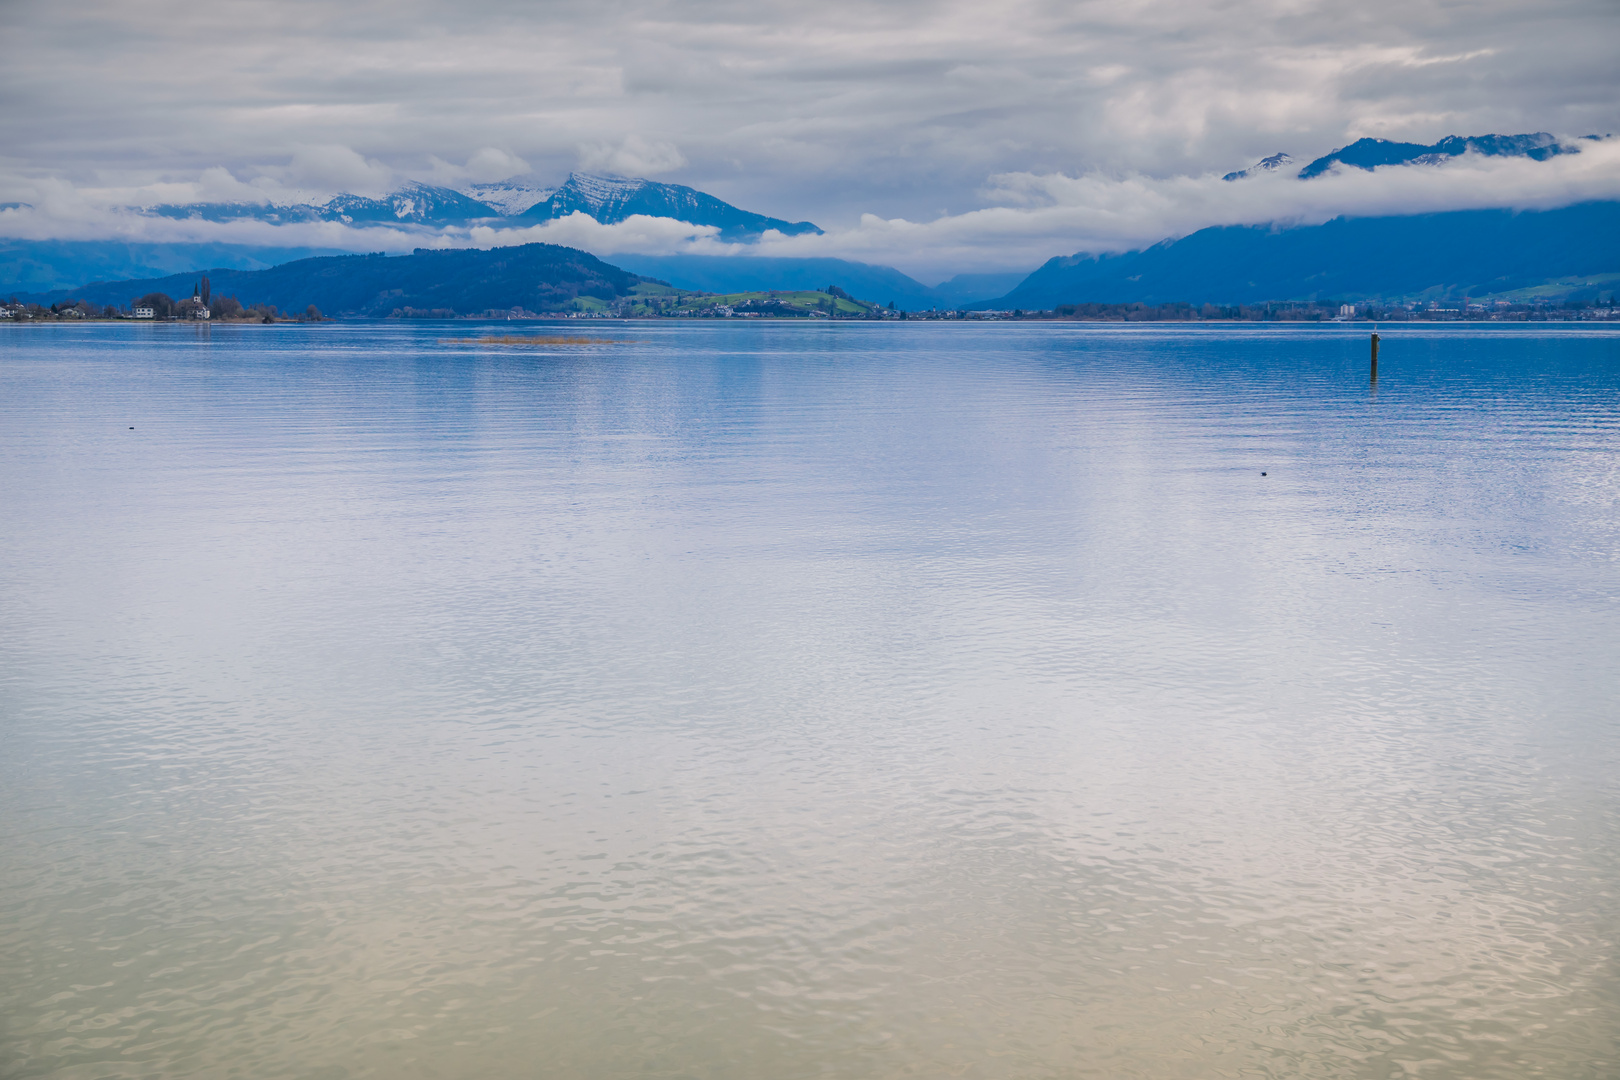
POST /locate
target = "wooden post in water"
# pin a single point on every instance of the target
(1374, 357)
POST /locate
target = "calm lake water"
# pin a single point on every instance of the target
(784, 701)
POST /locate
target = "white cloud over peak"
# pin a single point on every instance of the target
(57, 217)
(634, 156)
(336, 168)
(490, 164)
(1032, 217)
(638, 233)
(486, 166)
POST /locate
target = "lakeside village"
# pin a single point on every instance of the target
(200, 306)
(654, 300)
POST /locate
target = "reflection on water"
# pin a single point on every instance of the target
(809, 701)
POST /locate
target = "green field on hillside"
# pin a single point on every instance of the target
(648, 298)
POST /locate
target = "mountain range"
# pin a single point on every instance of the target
(608, 199)
(1434, 254)
(1573, 252)
(612, 199)
(40, 266)
(1373, 153)
(1475, 253)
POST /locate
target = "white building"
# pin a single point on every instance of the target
(144, 313)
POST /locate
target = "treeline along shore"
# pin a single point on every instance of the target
(824, 304)
(546, 281)
(229, 310)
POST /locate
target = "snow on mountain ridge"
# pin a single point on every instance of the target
(598, 190)
(413, 203)
(507, 198)
(607, 198)
(1368, 154)
(611, 199)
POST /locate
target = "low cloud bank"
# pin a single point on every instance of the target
(638, 233)
(1032, 217)
(58, 212)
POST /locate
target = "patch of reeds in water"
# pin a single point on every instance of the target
(526, 339)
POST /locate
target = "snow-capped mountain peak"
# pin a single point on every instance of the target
(611, 199)
(1371, 154)
(599, 190)
(414, 203)
(419, 206)
(1264, 165)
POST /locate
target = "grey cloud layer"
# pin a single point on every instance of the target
(1031, 217)
(824, 111)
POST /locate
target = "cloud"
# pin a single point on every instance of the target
(57, 199)
(337, 168)
(489, 165)
(638, 233)
(1030, 217)
(1035, 216)
(217, 185)
(821, 112)
(486, 166)
(635, 156)
(67, 217)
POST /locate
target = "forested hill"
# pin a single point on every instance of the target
(1478, 253)
(535, 277)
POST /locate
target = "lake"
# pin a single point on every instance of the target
(744, 700)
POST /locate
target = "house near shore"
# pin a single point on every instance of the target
(196, 306)
(143, 313)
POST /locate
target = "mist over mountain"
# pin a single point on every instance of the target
(1572, 252)
(35, 266)
(612, 199)
(40, 266)
(1371, 154)
(743, 250)
(413, 204)
(1274, 163)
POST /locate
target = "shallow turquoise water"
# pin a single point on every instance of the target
(777, 700)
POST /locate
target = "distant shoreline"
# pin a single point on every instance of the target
(1602, 316)
(834, 305)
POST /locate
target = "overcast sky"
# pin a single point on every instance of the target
(934, 113)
